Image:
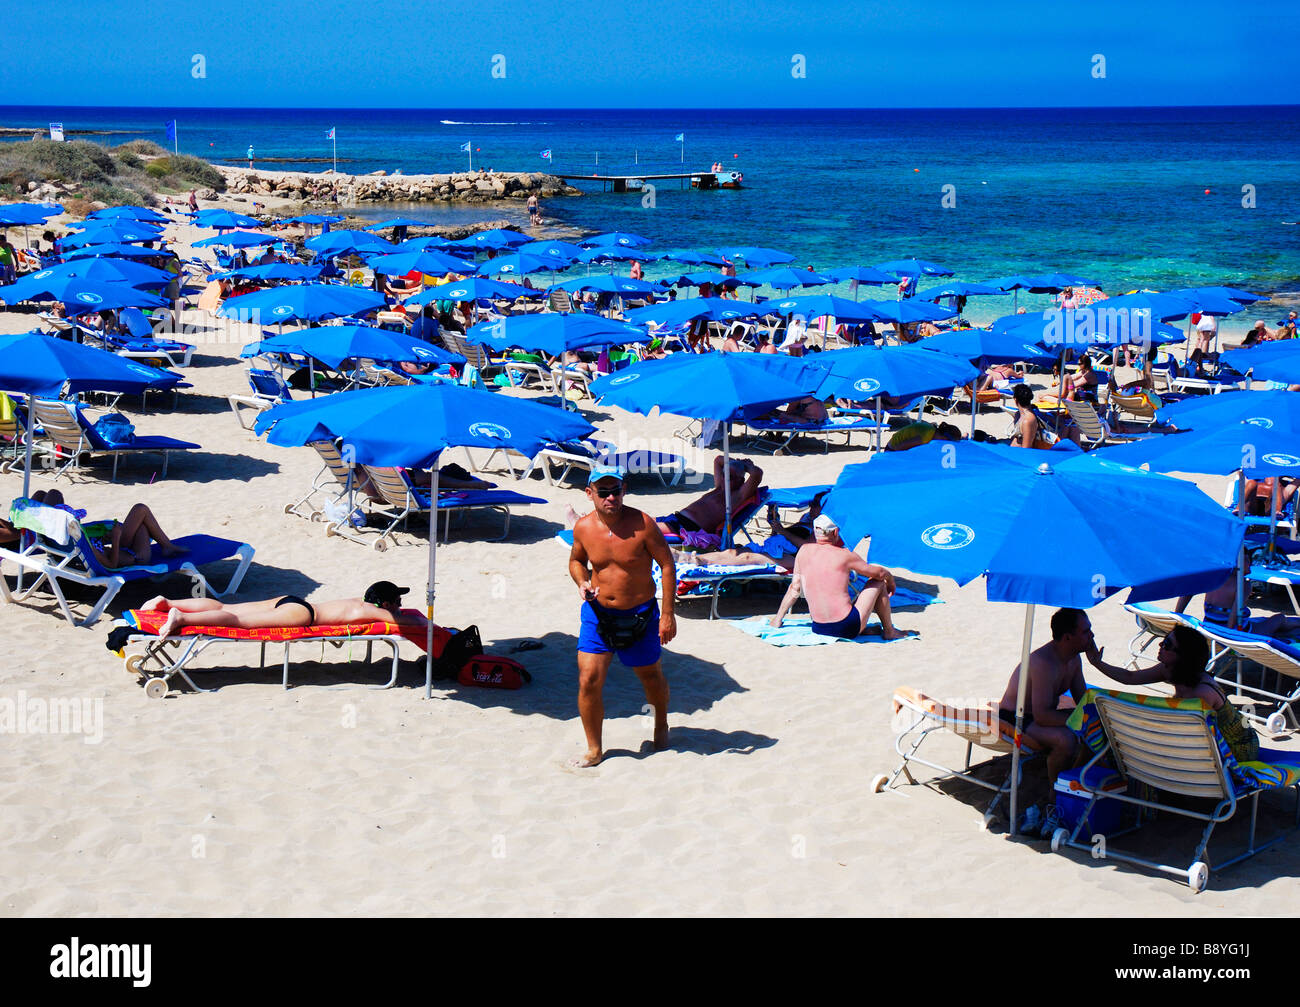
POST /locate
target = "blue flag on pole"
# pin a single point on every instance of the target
(171, 130)
(680, 138)
(330, 134)
(465, 145)
(547, 153)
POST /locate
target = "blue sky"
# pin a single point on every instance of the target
(666, 54)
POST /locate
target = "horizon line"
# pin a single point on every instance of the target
(653, 108)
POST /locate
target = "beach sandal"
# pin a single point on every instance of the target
(523, 645)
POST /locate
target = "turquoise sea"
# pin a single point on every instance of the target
(1156, 197)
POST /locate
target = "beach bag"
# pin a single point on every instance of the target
(7, 414)
(115, 429)
(490, 672)
(463, 646)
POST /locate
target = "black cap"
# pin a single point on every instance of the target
(384, 592)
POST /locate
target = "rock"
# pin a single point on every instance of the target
(460, 185)
(206, 194)
(31, 186)
(380, 171)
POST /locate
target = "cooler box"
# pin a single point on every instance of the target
(1071, 800)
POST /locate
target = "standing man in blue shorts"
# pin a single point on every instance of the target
(613, 548)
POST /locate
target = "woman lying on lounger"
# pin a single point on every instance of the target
(129, 542)
(381, 603)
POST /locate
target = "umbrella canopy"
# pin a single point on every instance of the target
(435, 243)
(393, 222)
(818, 306)
(785, 279)
(271, 271)
(960, 289)
(78, 294)
(112, 250)
(516, 265)
(334, 344)
(401, 263)
(123, 232)
(1273, 410)
(346, 242)
(620, 238)
(133, 274)
(1084, 327)
(689, 309)
(1250, 448)
(914, 268)
(23, 214)
(554, 332)
(713, 279)
(693, 258)
(756, 257)
(861, 274)
(608, 284)
(222, 219)
(307, 301)
(138, 213)
(563, 252)
(1278, 361)
(472, 288)
(614, 253)
(907, 312)
(240, 239)
(1216, 300)
(410, 425)
(981, 344)
(315, 218)
(865, 372)
(497, 237)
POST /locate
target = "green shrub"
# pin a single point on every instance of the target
(129, 160)
(157, 169)
(77, 161)
(146, 148)
(195, 172)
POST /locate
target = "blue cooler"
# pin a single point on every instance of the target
(1071, 800)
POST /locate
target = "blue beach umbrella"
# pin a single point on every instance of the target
(562, 252)
(861, 274)
(981, 344)
(961, 289)
(472, 288)
(434, 263)
(410, 426)
(38, 365)
(133, 274)
(713, 279)
(497, 237)
(1247, 447)
(690, 309)
(334, 344)
(1271, 410)
(785, 279)
(694, 258)
(1054, 283)
(515, 265)
(345, 242)
(125, 232)
(867, 372)
(432, 243)
(818, 306)
(1277, 361)
(137, 213)
(757, 257)
(306, 301)
(913, 268)
(393, 222)
(909, 311)
(25, 214)
(223, 219)
(623, 285)
(1084, 327)
(294, 271)
(1233, 293)
(620, 238)
(110, 250)
(968, 510)
(79, 295)
(553, 332)
(614, 253)
(315, 218)
(239, 239)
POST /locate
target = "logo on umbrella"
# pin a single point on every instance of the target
(867, 386)
(89, 298)
(507, 269)
(623, 379)
(949, 535)
(420, 351)
(141, 369)
(494, 431)
(1281, 460)
(42, 274)
(282, 309)
(1260, 421)
(787, 304)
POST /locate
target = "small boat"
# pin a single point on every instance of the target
(718, 180)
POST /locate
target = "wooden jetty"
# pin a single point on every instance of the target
(635, 183)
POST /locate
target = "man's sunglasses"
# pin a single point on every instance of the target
(609, 491)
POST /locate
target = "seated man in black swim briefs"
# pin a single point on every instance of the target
(381, 603)
(821, 573)
(708, 512)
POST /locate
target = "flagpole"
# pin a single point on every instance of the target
(176, 137)
(335, 140)
(469, 152)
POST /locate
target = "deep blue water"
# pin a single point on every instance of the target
(1115, 194)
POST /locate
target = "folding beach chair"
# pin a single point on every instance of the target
(581, 456)
(72, 435)
(842, 423)
(335, 485)
(269, 389)
(1279, 656)
(1173, 747)
(921, 717)
(143, 344)
(57, 550)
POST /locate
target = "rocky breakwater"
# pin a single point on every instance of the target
(380, 187)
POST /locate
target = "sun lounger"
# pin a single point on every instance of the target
(843, 424)
(1279, 656)
(335, 481)
(269, 389)
(582, 455)
(158, 661)
(57, 551)
(920, 716)
(1173, 747)
(65, 425)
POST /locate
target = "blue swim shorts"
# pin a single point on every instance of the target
(641, 653)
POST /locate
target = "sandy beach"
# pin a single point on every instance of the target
(253, 800)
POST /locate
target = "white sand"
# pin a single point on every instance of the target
(253, 800)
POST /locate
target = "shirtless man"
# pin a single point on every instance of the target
(1054, 670)
(821, 574)
(708, 512)
(613, 547)
(381, 603)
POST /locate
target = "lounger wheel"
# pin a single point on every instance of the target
(879, 782)
(134, 664)
(1198, 876)
(288, 508)
(987, 821)
(1059, 838)
(315, 517)
(1276, 723)
(381, 545)
(155, 688)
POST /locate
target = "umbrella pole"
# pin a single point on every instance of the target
(1241, 556)
(880, 418)
(430, 591)
(31, 433)
(726, 482)
(1022, 686)
(1272, 515)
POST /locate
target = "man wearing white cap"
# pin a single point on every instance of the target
(613, 548)
(821, 573)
